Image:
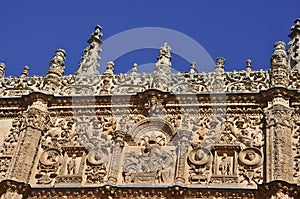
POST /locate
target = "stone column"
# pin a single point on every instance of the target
(117, 154)
(279, 160)
(34, 122)
(183, 141)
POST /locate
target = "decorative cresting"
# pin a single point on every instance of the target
(34, 122)
(280, 70)
(279, 125)
(55, 71)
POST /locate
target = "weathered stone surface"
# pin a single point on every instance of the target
(157, 135)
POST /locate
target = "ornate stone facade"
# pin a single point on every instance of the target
(153, 135)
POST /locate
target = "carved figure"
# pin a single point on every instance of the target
(225, 165)
(71, 166)
(164, 55)
(156, 109)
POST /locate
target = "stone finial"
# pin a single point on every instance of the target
(164, 57)
(296, 26)
(279, 45)
(109, 68)
(220, 63)
(135, 68)
(58, 61)
(279, 66)
(59, 57)
(193, 68)
(294, 50)
(248, 66)
(89, 63)
(279, 54)
(56, 70)
(97, 34)
(25, 72)
(2, 69)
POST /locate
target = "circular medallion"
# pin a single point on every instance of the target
(200, 156)
(97, 156)
(251, 157)
(50, 157)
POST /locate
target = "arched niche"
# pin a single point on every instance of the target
(155, 125)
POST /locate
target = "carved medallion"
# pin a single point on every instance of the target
(200, 156)
(251, 157)
(50, 157)
(97, 156)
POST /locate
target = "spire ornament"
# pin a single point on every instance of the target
(294, 44)
(279, 65)
(89, 64)
(25, 72)
(164, 57)
(162, 72)
(56, 70)
(2, 70)
(248, 66)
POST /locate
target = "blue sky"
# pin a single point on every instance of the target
(31, 31)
